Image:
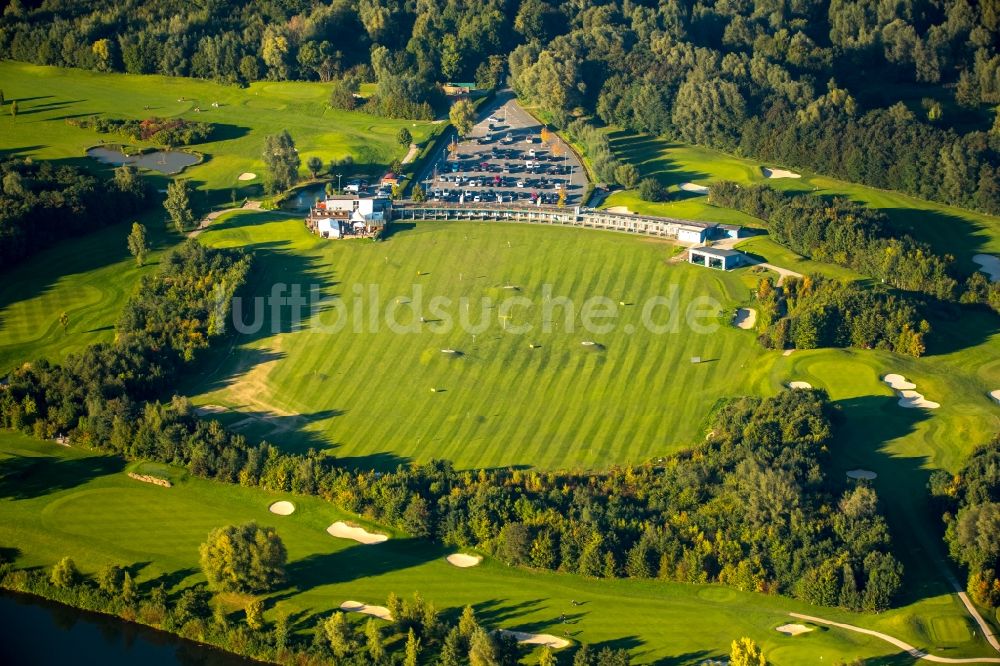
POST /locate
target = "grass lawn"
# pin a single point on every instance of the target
(47, 96)
(56, 501)
(948, 229)
(88, 277)
(366, 395)
(779, 255)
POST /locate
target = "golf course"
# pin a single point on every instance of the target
(529, 347)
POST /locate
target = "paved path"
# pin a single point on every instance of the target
(730, 244)
(216, 214)
(905, 647)
(412, 154)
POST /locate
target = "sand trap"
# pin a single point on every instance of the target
(995, 394)
(745, 318)
(779, 173)
(793, 629)
(898, 382)
(380, 612)
(865, 474)
(799, 385)
(463, 561)
(619, 209)
(787, 352)
(990, 265)
(282, 508)
(907, 396)
(342, 530)
(914, 400)
(207, 410)
(536, 639)
(691, 187)
(246, 175)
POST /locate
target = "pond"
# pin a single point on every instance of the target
(303, 199)
(43, 633)
(164, 161)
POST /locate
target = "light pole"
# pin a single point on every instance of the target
(339, 191)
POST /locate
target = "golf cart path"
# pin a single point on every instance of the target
(411, 154)
(983, 626)
(906, 647)
(216, 214)
(730, 243)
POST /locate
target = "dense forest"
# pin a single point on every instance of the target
(813, 311)
(751, 508)
(840, 231)
(970, 501)
(896, 95)
(41, 203)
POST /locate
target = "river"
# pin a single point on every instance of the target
(36, 632)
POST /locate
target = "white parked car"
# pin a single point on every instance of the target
(520, 183)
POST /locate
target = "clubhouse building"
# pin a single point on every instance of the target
(349, 216)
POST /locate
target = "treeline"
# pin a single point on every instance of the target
(164, 131)
(172, 315)
(751, 508)
(842, 232)
(41, 203)
(813, 311)
(825, 86)
(417, 632)
(970, 503)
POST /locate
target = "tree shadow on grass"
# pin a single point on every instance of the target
(168, 580)
(355, 563)
(648, 153)
(25, 477)
(689, 658)
(861, 439)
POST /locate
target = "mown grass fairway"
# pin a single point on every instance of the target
(57, 501)
(960, 232)
(89, 278)
(49, 95)
(367, 393)
(366, 396)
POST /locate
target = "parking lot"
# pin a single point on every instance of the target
(505, 160)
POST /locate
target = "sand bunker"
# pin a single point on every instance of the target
(208, 410)
(342, 530)
(246, 175)
(536, 639)
(799, 385)
(907, 396)
(380, 612)
(282, 508)
(898, 382)
(620, 209)
(793, 629)
(779, 173)
(913, 400)
(865, 474)
(463, 561)
(745, 318)
(995, 394)
(691, 187)
(787, 352)
(990, 265)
